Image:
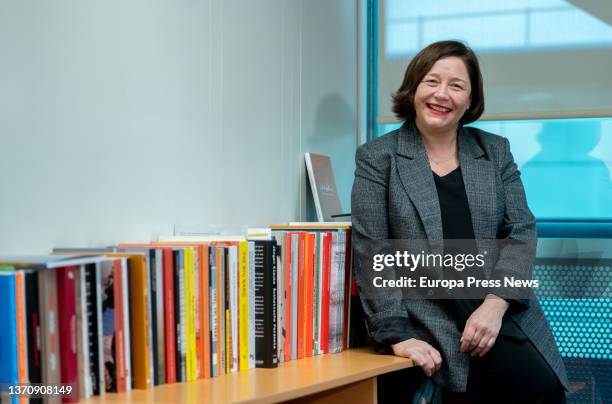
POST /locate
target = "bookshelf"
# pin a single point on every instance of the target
(349, 376)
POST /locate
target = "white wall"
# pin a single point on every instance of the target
(119, 119)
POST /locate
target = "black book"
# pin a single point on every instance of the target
(33, 329)
(93, 327)
(153, 323)
(179, 299)
(265, 304)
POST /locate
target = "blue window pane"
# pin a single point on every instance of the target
(565, 164)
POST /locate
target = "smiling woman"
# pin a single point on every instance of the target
(435, 179)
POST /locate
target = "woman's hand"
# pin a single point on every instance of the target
(421, 353)
(482, 327)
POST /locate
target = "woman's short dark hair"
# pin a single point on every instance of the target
(403, 100)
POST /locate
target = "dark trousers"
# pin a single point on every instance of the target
(513, 371)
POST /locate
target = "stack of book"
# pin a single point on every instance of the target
(174, 310)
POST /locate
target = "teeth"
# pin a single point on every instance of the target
(440, 109)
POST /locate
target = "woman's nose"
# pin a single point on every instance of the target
(442, 93)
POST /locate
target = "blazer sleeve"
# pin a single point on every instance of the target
(387, 319)
(518, 232)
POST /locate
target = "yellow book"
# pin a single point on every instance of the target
(243, 304)
(190, 314)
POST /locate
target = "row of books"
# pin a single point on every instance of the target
(178, 309)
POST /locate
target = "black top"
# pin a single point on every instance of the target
(457, 224)
(454, 208)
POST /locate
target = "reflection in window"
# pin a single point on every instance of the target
(527, 24)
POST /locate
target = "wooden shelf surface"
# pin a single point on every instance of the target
(290, 380)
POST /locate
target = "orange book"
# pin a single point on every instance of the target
(22, 353)
(139, 324)
(309, 291)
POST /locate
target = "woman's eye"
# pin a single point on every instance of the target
(431, 82)
(457, 86)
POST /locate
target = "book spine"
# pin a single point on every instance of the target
(140, 324)
(197, 304)
(327, 238)
(243, 303)
(309, 292)
(66, 283)
(233, 254)
(214, 359)
(33, 327)
(100, 338)
(347, 280)
(280, 297)
(251, 298)
(224, 319)
(295, 302)
(188, 309)
(9, 365)
(205, 311)
(159, 314)
(336, 293)
(288, 285)
(178, 302)
(221, 343)
(119, 337)
(265, 304)
(190, 316)
(153, 309)
(91, 326)
(22, 348)
(301, 301)
(82, 333)
(127, 319)
(169, 321)
(320, 291)
(183, 314)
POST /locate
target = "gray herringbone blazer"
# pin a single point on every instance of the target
(394, 197)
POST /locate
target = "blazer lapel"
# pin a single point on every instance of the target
(416, 176)
(479, 179)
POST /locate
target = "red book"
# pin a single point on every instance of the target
(169, 323)
(326, 272)
(66, 302)
(309, 292)
(120, 357)
(288, 302)
(347, 289)
(301, 320)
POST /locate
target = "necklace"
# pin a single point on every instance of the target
(450, 156)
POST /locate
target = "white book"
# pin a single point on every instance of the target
(336, 291)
